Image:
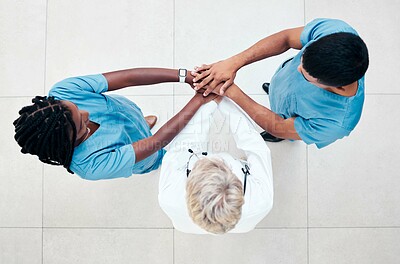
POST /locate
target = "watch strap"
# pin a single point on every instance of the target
(182, 75)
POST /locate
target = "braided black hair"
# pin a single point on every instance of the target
(44, 129)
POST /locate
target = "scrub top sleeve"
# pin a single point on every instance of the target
(321, 27)
(115, 164)
(76, 87)
(318, 131)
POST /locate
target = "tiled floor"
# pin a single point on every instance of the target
(337, 205)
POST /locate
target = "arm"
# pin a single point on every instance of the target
(225, 71)
(167, 132)
(258, 157)
(264, 117)
(142, 76)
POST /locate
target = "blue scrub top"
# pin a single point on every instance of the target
(108, 153)
(322, 117)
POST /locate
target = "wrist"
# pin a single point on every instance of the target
(233, 92)
(189, 79)
(237, 61)
(197, 100)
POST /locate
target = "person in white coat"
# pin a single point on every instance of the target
(214, 193)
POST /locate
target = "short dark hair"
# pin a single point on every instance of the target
(337, 59)
(44, 129)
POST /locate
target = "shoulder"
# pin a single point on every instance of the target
(321, 27)
(73, 86)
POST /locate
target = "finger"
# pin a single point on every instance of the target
(194, 73)
(225, 87)
(209, 90)
(204, 82)
(202, 90)
(215, 85)
(201, 75)
(204, 67)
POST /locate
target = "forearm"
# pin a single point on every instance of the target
(141, 76)
(167, 132)
(264, 117)
(270, 46)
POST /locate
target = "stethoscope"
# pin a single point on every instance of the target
(245, 168)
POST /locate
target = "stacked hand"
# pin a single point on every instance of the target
(214, 78)
(205, 99)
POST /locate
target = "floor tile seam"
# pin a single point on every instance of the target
(171, 228)
(307, 194)
(109, 228)
(354, 227)
(23, 227)
(180, 94)
(330, 227)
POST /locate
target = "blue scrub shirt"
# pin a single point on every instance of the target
(108, 153)
(322, 117)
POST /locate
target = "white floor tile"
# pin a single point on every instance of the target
(103, 36)
(21, 245)
(349, 245)
(355, 182)
(22, 49)
(70, 201)
(213, 31)
(21, 174)
(260, 246)
(122, 246)
(289, 165)
(352, 183)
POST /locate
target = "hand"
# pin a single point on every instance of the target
(189, 79)
(204, 99)
(215, 91)
(214, 74)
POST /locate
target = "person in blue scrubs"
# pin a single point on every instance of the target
(98, 135)
(317, 96)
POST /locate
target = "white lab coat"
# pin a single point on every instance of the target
(259, 188)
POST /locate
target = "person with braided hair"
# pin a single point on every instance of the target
(98, 135)
(42, 129)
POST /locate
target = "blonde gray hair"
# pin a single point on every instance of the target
(214, 196)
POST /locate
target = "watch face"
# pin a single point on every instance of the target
(182, 72)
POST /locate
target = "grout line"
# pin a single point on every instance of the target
(44, 91)
(110, 228)
(42, 212)
(171, 228)
(17, 96)
(45, 48)
(182, 94)
(354, 227)
(24, 227)
(173, 53)
(307, 208)
(173, 246)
